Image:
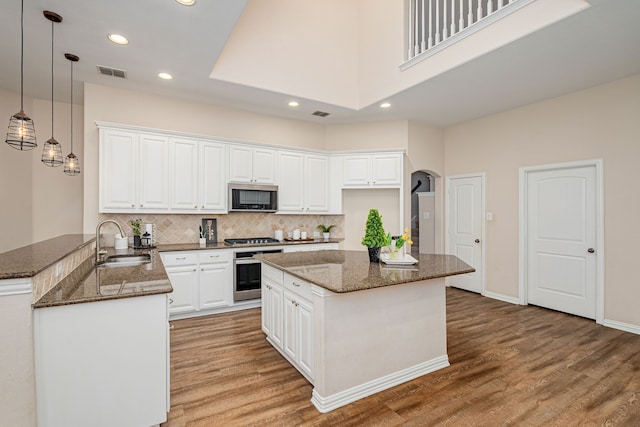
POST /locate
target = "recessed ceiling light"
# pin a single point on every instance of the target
(118, 39)
(187, 2)
(385, 105)
(165, 76)
(293, 104)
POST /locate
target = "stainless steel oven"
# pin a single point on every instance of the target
(247, 279)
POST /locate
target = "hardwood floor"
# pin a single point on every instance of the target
(510, 365)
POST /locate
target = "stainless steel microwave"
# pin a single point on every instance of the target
(253, 198)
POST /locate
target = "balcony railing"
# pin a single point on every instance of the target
(433, 22)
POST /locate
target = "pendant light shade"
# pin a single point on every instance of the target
(71, 162)
(21, 134)
(52, 152)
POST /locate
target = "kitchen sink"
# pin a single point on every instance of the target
(124, 261)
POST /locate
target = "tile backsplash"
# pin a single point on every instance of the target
(184, 228)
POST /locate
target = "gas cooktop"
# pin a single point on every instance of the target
(250, 241)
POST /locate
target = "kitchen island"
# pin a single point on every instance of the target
(354, 328)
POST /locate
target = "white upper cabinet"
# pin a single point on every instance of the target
(252, 164)
(372, 170)
(303, 182)
(197, 176)
(133, 171)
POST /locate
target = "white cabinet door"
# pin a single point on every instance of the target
(215, 285)
(277, 300)
(184, 174)
(356, 170)
(291, 182)
(118, 157)
(240, 164)
(317, 183)
(264, 166)
(184, 280)
(290, 336)
(387, 169)
(305, 336)
(153, 176)
(251, 164)
(213, 180)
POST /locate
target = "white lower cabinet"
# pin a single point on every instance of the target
(201, 280)
(272, 301)
(287, 317)
(103, 363)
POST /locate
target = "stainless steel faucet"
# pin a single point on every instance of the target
(99, 253)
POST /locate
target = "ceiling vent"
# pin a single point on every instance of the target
(108, 71)
(320, 114)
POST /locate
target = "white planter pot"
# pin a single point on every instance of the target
(326, 236)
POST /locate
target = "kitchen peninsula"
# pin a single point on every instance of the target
(354, 328)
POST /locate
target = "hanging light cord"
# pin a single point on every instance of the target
(22, 57)
(71, 103)
(52, 24)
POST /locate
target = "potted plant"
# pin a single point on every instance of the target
(326, 230)
(374, 235)
(136, 225)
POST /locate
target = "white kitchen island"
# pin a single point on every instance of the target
(354, 328)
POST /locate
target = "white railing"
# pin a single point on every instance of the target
(431, 22)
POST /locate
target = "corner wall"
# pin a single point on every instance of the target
(600, 122)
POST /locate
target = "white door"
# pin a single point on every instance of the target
(561, 237)
(465, 229)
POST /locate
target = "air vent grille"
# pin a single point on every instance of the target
(320, 114)
(108, 71)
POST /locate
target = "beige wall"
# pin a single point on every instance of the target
(308, 49)
(15, 179)
(39, 202)
(154, 111)
(601, 122)
(367, 136)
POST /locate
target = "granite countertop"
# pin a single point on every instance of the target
(89, 284)
(349, 271)
(32, 259)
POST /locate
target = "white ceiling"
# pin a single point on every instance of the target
(595, 46)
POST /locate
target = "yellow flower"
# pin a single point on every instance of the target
(406, 230)
(405, 236)
(409, 242)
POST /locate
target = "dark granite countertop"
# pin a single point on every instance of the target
(348, 271)
(32, 259)
(89, 284)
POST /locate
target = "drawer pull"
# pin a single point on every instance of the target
(172, 327)
(180, 257)
(295, 284)
(170, 301)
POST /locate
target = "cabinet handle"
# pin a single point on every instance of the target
(195, 207)
(202, 206)
(133, 206)
(172, 327)
(180, 257)
(295, 284)
(214, 256)
(170, 301)
(195, 269)
(142, 206)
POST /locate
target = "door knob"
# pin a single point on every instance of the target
(591, 250)
(477, 240)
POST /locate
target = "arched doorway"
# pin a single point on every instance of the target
(423, 212)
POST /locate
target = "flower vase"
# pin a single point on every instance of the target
(395, 253)
(374, 254)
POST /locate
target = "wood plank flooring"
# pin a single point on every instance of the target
(510, 365)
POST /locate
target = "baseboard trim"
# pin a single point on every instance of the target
(329, 403)
(627, 327)
(501, 297)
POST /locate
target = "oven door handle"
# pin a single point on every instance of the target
(243, 261)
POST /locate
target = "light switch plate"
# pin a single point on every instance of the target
(489, 216)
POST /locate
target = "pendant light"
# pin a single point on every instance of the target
(21, 134)
(71, 162)
(52, 153)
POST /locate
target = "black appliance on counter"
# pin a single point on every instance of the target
(247, 277)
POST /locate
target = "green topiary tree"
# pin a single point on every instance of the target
(374, 236)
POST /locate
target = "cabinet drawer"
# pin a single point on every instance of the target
(298, 286)
(272, 274)
(214, 256)
(179, 258)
